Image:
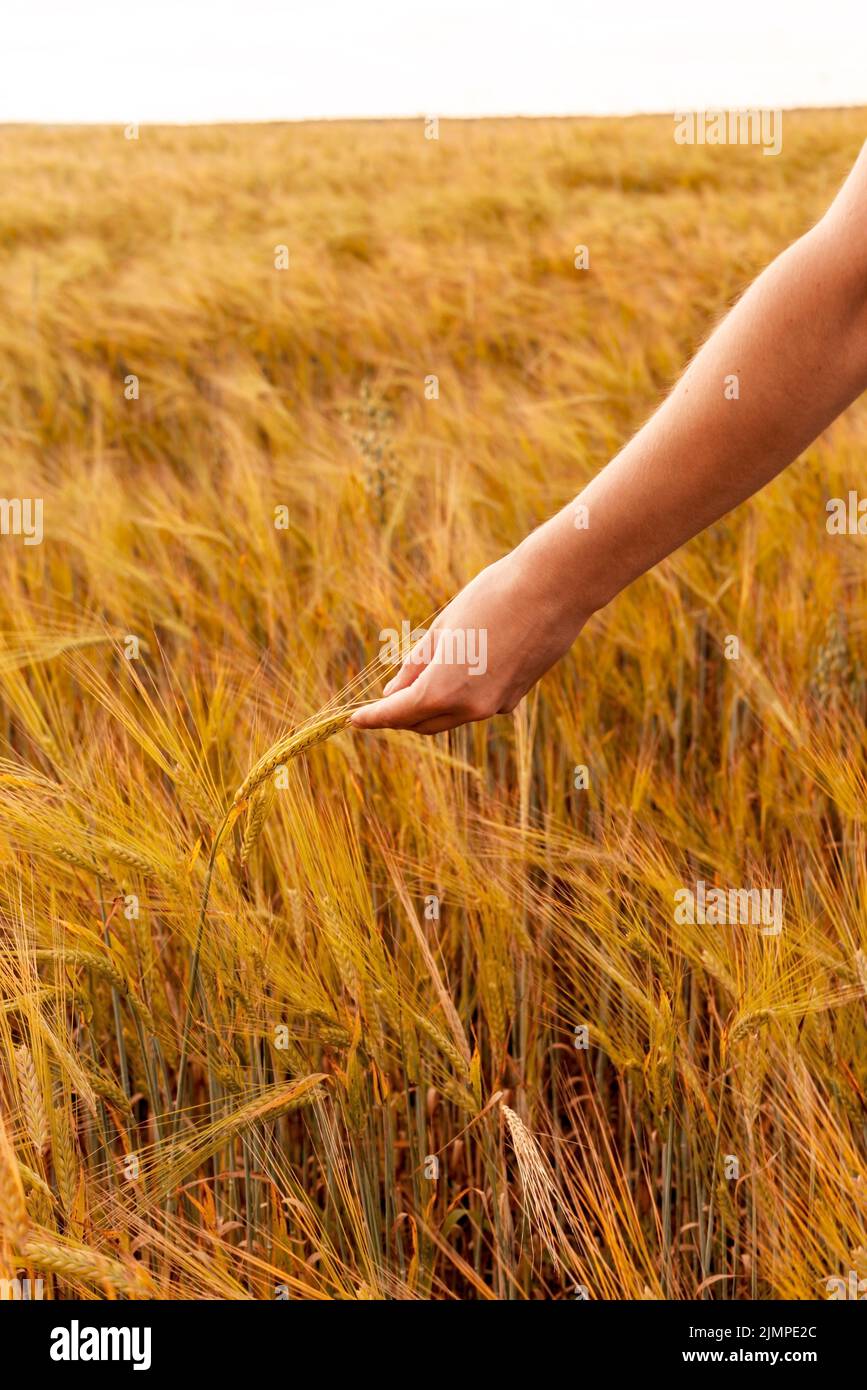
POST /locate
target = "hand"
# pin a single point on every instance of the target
(483, 652)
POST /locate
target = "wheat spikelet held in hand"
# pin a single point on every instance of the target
(291, 746)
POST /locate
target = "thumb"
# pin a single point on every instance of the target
(399, 710)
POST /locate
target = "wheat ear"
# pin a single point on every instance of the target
(31, 1099)
(81, 1263)
(260, 805)
(540, 1193)
(292, 745)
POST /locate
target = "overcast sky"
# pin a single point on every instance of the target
(253, 60)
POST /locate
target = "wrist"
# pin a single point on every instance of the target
(552, 580)
(563, 571)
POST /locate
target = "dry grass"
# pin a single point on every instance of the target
(283, 1074)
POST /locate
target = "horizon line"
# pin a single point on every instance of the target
(71, 123)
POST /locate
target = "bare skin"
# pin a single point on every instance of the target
(797, 343)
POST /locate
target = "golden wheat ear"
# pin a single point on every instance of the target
(291, 746)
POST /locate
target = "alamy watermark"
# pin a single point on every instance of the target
(746, 127)
(847, 516)
(849, 1288)
(22, 516)
(442, 646)
(77, 1343)
(730, 907)
(21, 1290)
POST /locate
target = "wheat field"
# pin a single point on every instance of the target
(413, 1019)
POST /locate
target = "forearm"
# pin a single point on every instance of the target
(796, 344)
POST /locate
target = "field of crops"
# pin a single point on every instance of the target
(412, 1018)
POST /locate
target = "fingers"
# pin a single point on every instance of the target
(383, 715)
(397, 711)
(440, 724)
(422, 709)
(429, 700)
(408, 672)
(428, 697)
(413, 663)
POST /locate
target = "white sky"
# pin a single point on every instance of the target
(242, 60)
